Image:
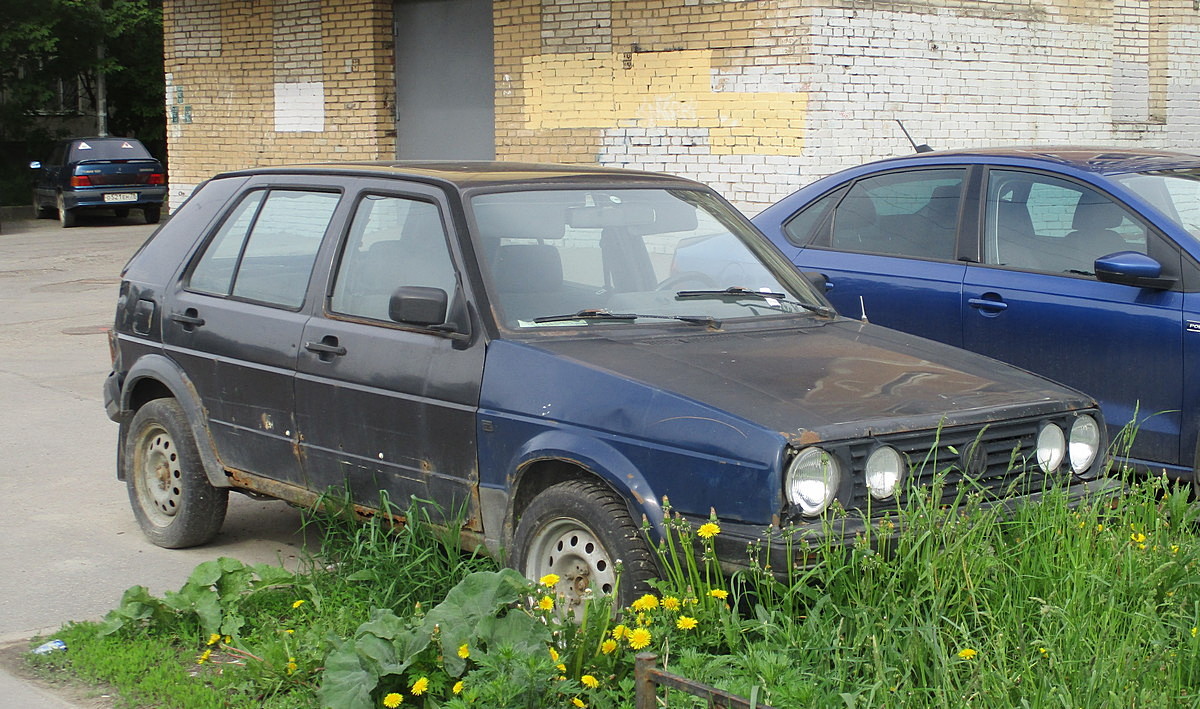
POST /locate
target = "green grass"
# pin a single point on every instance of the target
(1050, 606)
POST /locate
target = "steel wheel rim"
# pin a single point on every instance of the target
(567, 548)
(158, 477)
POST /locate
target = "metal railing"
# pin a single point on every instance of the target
(648, 678)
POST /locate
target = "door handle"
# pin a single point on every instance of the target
(327, 348)
(987, 304)
(190, 319)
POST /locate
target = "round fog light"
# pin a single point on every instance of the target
(1085, 443)
(1051, 447)
(884, 469)
(812, 481)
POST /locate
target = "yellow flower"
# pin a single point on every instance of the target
(708, 530)
(1137, 537)
(546, 604)
(647, 602)
(549, 580)
(967, 653)
(608, 646)
(553, 654)
(619, 632)
(1044, 652)
(229, 639)
(203, 657)
(1174, 548)
(578, 702)
(291, 665)
(458, 687)
(589, 681)
(671, 603)
(297, 604)
(464, 652)
(289, 631)
(685, 622)
(560, 667)
(420, 686)
(1099, 528)
(639, 638)
(212, 639)
(1194, 631)
(643, 619)
(393, 700)
(719, 593)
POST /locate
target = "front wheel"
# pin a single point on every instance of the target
(172, 499)
(580, 530)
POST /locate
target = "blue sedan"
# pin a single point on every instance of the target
(1081, 264)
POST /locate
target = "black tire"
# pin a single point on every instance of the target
(152, 214)
(66, 217)
(172, 499)
(121, 212)
(578, 530)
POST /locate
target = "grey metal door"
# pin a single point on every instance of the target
(445, 80)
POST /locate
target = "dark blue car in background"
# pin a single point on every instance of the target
(99, 173)
(1080, 264)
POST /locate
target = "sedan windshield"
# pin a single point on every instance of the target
(613, 257)
(1176, 193)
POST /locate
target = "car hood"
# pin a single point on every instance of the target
(825, 380)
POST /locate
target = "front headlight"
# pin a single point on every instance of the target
(1085, 443)
(884, 469)
(1051, 447)
(812, 480)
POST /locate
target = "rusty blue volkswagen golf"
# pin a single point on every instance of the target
(525, 349)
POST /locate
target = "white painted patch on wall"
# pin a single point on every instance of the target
(300, 107)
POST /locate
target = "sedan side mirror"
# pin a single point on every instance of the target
(35, 165)
(1131, 268)
(819, 280)
(418, 305)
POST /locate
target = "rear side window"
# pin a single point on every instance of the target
(265, 249)
(913, 213)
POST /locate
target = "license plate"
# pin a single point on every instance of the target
(120, 197)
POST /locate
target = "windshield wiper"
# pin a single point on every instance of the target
(602, 314)
(740, 292)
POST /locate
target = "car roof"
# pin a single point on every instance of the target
(465, 174)
(1099, 160)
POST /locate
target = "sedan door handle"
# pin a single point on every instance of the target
(326, 349)
(987, 304)
(189, 319)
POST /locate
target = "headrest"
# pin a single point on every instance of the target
(1094, 216)
(528, 268)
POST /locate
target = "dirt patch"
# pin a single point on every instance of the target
(67, 688)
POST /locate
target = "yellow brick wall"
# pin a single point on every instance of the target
(224, 59)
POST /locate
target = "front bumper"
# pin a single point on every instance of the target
(744, 547)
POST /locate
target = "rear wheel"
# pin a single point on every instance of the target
(66, 217)
(580, 530)
(172, 499)
(152, 214)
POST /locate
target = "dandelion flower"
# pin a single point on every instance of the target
(1137, 538)
(419, 687)
(549, 580)
(608, 646)
(463, 651)
(719, 593)
(1044, 652)
(671, 603)
(298, 603)
(708, 530)
(967, 653)
(578, 702)
(646, 603)
(686, 623)
(1194, 631)
(620, 632)
(214, 638)
(639, 638)
(291, 665)
(393, 700)
(203, 657)
(589, 681)
(458, 687)
(546, 604)
(560, 667)
(1174, 548)
(553, 654)
(289, 631)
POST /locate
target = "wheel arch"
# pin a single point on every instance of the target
(159, 377)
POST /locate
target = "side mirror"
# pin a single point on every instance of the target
(35, 165)
(418, 305)
(818, 280)
(1130, 268)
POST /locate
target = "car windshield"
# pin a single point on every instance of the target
(1176, 193)
(614, 257)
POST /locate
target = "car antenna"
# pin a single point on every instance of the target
(922, 148)
(862, 306)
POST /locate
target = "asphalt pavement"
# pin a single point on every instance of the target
(69, 545)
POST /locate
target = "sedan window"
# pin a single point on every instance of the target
(1175, 192)
(912, 214)
(1043, 223)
